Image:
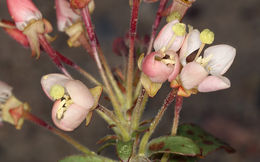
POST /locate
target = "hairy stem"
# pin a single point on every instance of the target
(89, 28)
(138, 109)
(27, 115)
(110, 114)
(52, 54)
(130, 68)
(177, 109)
(168, 100)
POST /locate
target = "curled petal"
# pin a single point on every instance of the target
(72, 118)
(49, 80)
(65, 15)
(177, 66)
(221, 57)
(191, 43)
(192, 74)
(80, 94)
(15, 33)
(214, 83)
(165, 36)
(22, 11)
(156, 70)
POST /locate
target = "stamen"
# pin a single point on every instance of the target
(200, 50)
(63, 106)
(168, 61)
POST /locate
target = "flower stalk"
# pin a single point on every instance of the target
(177, 109)
(52, 54)
(130, 68)
(30, 117)
(168, 100)
(89, 28)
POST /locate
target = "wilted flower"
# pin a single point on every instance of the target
(170, 37)
(11, 109)
(29, 20)
(73, 100)
(65, 15)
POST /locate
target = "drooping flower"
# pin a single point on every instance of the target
(73, 100)
(28, 19)
(170, 37)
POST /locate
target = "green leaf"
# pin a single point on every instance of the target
(82, 158)
(173, 144)
(206, 142)
(124, 149)
(182, 159)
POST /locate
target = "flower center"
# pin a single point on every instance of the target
(166, 59)
(58, 92)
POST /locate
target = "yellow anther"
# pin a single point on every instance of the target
(168, 61)
(57, 91)
(173, 16)
(63, 106)
(206, 36)
(179, 29)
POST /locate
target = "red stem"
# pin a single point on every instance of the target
(52, 54)
(177, 109)
(132, 35)
(156, 23)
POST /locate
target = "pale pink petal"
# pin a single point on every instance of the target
(156, 70)
(222, 57)
(22, 11)
(192, 74)
(191, 43)
(50, 80)
(165, 36)
(65, 15)
(177, 66)
(72, 118)
(79, 94)
(214, 83)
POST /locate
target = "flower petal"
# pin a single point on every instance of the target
(72, 118)
(22, 11)
(222, 57)
(177, 66)
(191, 43)
(65, 15)
(49, 80)
(165, 36)
(156, 70)
(79, 94)
(192, 74)
(214, 83)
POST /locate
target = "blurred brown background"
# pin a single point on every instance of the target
(232, 115)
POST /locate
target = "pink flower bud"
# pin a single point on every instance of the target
(214, 83)
(165, 36)
(160, 70)
(72, 118)
(65, 15)
(192, 74)
(23, 11)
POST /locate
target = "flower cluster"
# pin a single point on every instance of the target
(177, 58)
